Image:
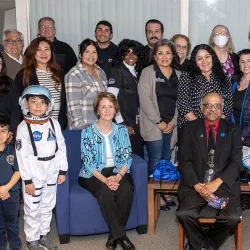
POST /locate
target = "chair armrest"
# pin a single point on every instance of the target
(62, 208)
(139, 173)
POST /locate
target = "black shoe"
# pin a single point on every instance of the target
(171, 203)
(165, 207)
(111, 244)
(125, 243)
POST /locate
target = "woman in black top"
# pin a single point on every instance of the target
(183, 48)
(9, 96)
(241, 97)
(122, 82)
(205, 76)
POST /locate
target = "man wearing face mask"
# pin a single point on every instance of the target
(222, 43)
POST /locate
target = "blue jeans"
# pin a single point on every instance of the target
(158, 150)
(9, 221)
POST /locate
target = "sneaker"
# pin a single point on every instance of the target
(47, 244)
(33, 245)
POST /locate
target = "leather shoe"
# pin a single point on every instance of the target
(165, 207)
(111, 244)
(171, 203)
(125, 243)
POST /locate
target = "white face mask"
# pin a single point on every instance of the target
(220, 40)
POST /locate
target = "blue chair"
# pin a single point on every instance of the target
(77, 211)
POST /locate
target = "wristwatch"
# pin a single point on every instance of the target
(159, 122)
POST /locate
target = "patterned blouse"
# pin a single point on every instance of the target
(228, 66)
(191, 91)
(81, 89)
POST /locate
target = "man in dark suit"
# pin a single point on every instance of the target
(209, 158)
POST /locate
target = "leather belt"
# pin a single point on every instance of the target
(46, 158)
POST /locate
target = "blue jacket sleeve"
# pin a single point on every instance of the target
(88, 150)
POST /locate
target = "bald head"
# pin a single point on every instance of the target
(212, 96)
(212, 107)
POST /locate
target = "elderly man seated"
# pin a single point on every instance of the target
(210, 153)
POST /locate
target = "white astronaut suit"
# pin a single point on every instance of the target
(40, 164)
(43, 173)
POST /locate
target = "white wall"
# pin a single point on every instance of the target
(76, 20)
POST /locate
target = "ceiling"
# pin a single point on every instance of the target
(6, 5)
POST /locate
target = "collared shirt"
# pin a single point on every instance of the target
(12, 57)
(81, 89)
(216, 126)
(8, 166)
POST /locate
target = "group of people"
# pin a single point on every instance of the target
(126, 99)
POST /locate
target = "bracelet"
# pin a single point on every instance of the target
(159, 122)
(120, 174)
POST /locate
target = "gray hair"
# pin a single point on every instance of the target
(6, 32)
(202, 100)
(46, 18)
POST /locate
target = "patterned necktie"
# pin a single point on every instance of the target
(211, 141)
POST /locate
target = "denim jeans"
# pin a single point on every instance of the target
(9, 221)
(158, 150)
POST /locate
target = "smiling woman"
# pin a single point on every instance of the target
(206, 75)
(83, 83)
(157, 90)
(40, 68)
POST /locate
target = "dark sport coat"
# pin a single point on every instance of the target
(192, 157)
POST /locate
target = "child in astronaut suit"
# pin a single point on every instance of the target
(41, 155)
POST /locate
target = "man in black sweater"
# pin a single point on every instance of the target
(106, 49)
(154, 30)
(65, 55)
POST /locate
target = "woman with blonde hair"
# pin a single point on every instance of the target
(222, 43)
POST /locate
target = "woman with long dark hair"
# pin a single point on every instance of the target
(123, 81)
(40, 68)
(83, 83)
(205, 76)
(9, 97)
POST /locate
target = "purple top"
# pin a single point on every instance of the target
(228, 66)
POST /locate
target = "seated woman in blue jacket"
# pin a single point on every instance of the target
(106, 157)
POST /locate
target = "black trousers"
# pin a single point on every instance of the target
(226, 221)
(137, 142)
(115, 205)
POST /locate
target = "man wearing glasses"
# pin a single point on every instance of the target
(65, 55)
(13, 51)
(209, 159)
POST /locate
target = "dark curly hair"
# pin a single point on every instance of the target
(165, 42)
(5, 82)
(123, 48)
(240, 53)
(216, 64)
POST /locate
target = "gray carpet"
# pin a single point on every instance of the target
(165, 238)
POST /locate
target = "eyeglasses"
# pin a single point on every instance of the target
(179, 47)
(12, 42)
(51, 27)
(210, 105)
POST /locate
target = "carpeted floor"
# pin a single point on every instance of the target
(165, 238)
